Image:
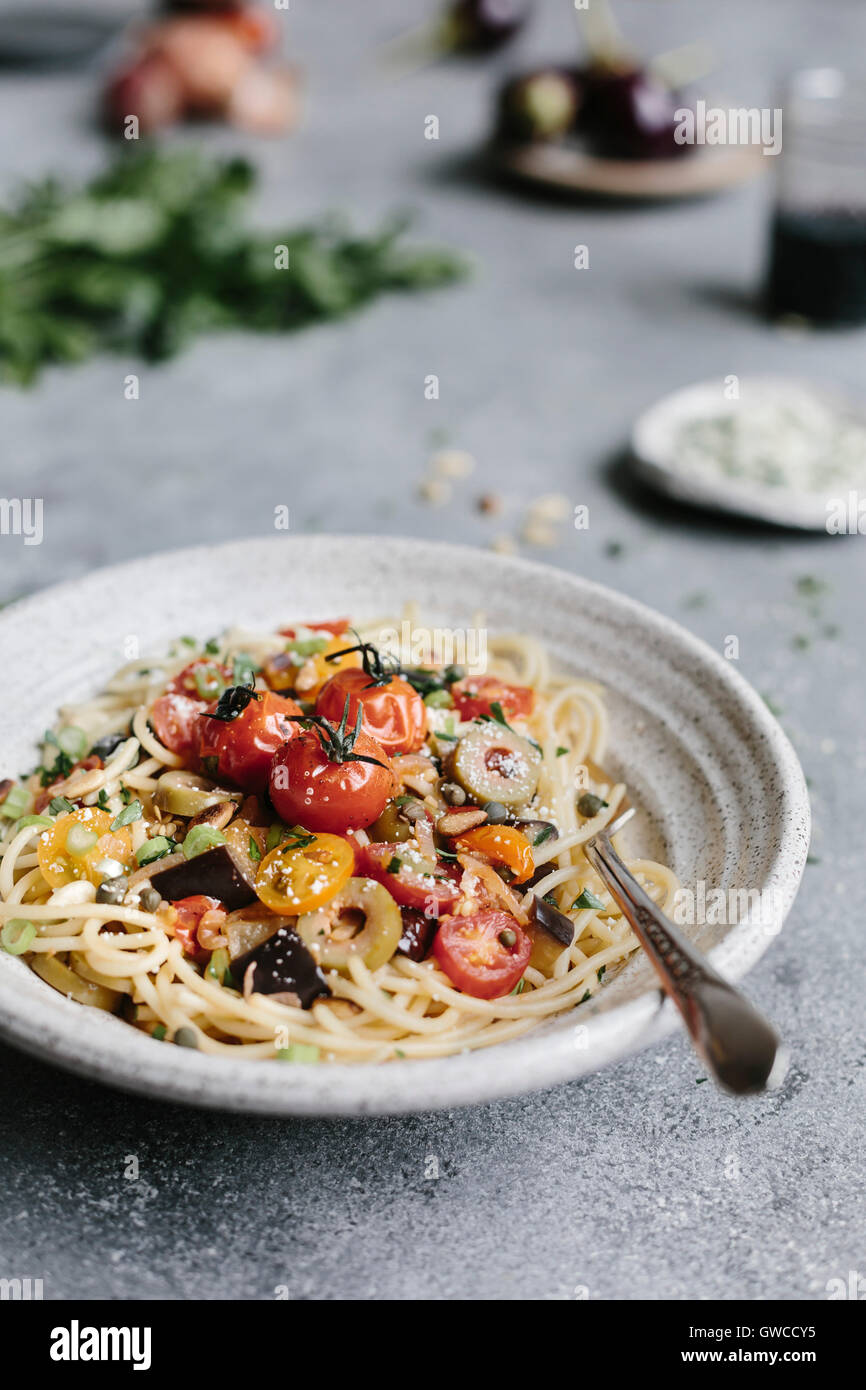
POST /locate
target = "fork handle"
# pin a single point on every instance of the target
(740, 1048)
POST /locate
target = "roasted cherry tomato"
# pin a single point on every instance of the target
(305, 671)
(392, 713)
(203, 679)
(411, 879)
(48, 793)
(310, 786)
(76, 845)
(501, 844)
(240, 750)
(304, 873)
(188, 915)
(483, 955)
(175, 723)
(476, 695)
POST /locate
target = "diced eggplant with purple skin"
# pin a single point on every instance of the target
(216, 873)
(281, 965)
(418, 933)
(551, 920)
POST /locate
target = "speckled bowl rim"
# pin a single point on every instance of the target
(83, 1042)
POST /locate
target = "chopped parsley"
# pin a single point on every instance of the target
(587, 899)
(129, 813)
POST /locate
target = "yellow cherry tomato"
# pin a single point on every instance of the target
(501, 844)
(76, 845)
(304, 873)
(282, 671)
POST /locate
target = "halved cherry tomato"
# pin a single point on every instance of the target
(202, 679)
(476, 695)
(188, 915)
(175, 723)
(393, 713)
(501, 844)
(240, 750)
(335, 626)
(48, 793)
(412, 880)
(483, 955)
(297, 877)
(76, 845)
(306, 674)
(308, 786)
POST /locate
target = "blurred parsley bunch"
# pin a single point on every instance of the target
(156, 251)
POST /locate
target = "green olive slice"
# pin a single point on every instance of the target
(335, 935)
(182, 793)
(493, 763)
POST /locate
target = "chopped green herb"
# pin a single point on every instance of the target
(561, 751)
(812, 859)
(547, 833)
(59, 805)
(613, 549)
(700, 1080)
(587, 899)
(189, 641)
(398, 1052)
(254, 851)
(129, 813)
(212, 646)
(800, 642)
(159, 1032)
(218, 966)
(101, 800)
(809, 586)
(393, 865)
(519, 987)
(583, 998)
(61, 767)
(125, 795)
(599, 974)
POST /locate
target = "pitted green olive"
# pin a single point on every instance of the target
(397, 821)
(182, 793)
(494, 764)
(363, 922)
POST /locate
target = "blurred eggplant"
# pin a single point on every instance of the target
(418, 933)
(629, 114)
(481, 26)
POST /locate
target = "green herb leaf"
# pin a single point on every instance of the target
(59, 805)
(587, 899)
(129, 813)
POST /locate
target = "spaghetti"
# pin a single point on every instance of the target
(392, 914)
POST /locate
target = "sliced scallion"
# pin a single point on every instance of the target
(73, 741)
(201, 838)
(153, 849)
(16, 803)
(26, 821)
(79, 839)
(59, 805)
(16, 936)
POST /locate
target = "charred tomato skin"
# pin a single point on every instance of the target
(308, 787)
(393, 713)
(240, 751)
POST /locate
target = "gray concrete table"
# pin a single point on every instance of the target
(637, 1183)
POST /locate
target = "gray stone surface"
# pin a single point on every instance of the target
(638, 1183)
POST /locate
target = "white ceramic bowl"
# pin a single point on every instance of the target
(723, 796)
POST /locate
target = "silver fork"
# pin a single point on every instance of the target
(736, 1042)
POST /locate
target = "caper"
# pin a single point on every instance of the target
(330, 931)
(453, 793)
(186, 1037)
(111, 890)
(150, 899)
(508, 938)
(493, 763)
(588, 804)
(451, 674)
(497, 814)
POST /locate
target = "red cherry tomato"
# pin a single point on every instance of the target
(335, 626)
(202, 679)
(393, 714)
(412, 880)
(309, 788)
(188, 915)
(175, 721)
(476, 958)
(240, 750)
(476, 695)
